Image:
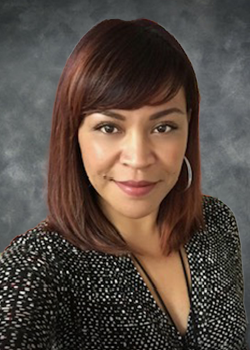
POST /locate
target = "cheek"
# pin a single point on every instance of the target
(99, 151)
(92, 151)
(94, 159)
(173, 154)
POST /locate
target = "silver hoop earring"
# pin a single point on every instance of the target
(190, 176)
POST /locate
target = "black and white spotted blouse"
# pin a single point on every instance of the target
(55, 296)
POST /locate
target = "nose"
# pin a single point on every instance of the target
(137, 152)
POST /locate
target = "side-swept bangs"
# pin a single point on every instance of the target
(125, 65)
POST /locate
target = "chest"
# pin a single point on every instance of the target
(169, 279)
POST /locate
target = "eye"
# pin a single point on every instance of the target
(108, 127)
(163, 127)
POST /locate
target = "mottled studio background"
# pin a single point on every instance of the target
(36, 38)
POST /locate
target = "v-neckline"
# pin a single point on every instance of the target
(157, 307)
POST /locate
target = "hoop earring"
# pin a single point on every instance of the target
(190, 176)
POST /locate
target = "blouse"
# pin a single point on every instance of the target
(54, 295)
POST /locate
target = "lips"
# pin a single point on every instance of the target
(135, 191)
(136, 183)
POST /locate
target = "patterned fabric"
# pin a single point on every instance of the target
(55, 296)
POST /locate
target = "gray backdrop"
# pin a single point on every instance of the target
(37, 37)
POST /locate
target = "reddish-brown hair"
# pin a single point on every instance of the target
(124, 65)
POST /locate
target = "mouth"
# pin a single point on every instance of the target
(132, 183)
(136, 191)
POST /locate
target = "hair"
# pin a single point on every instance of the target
(126, 65)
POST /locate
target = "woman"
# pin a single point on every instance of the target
(131, 255)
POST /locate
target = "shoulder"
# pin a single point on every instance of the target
(49, 252)
(42, 253)
(216, 210)
(220, 220)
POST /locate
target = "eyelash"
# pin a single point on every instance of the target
(100, 126)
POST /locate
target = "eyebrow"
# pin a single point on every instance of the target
(152, 117)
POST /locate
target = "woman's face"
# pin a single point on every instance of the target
(136, 148)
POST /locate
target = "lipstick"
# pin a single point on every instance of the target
(137, 191)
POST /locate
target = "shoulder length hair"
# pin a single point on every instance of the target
(126, 65)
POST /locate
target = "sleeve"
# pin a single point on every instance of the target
(238, 269)
(28, 300)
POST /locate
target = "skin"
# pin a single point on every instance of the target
(135, 149)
